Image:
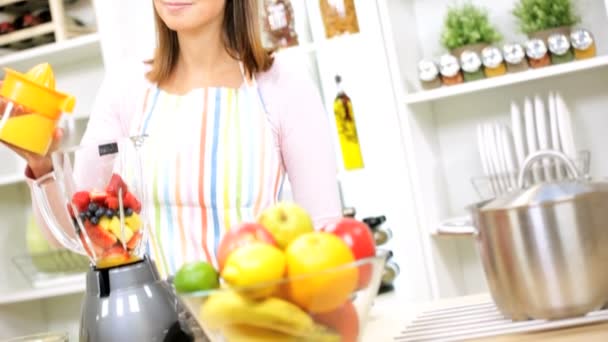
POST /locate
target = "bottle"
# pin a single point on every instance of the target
(515, 57)
(583, 44)
(339, 17)
(471, 66)
(493, 62)
(559, 46)
(428, 74)
(347, 129)
(537, 53)
(279, 23)
(450, 70)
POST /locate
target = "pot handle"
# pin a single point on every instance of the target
(534, 157)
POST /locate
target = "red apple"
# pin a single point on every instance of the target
(360, 239)
(240, 235)
(344, 320)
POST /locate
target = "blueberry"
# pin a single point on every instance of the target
(83, 216)
(100, 212)
(129, 212)
(88, 214)
(93, 207)
(110, 213)
(94, 220)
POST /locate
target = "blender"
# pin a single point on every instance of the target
(95, 206)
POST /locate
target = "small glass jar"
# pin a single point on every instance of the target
(450, 70)
(471, 66)
(559, 46)
(583, 44)
(537, 53)
(515, 57)
(493, 62)
(428, 73)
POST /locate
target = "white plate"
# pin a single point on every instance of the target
(483, 156)
(531, 139)
(543, 134)
(565, 126)
(554, 127)
(502, 158)
(519, 135)
(490, 141)
(509, 153)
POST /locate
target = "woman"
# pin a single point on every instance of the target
(228, 113)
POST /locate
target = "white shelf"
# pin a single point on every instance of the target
(506, 80)
(23, 34)
(12, 179)
(7, 2)
(62, 52)
(28, 293)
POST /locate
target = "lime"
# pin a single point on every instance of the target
(196, 276)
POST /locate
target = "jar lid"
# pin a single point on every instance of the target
(558, 44)
(581, 39)
(514, 53)
(470, 61)
(536, 48)
(492, 57)
(449, 65)
(427, 70)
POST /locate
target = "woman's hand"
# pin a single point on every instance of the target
(40, 165)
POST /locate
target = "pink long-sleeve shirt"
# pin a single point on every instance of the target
(294, 112)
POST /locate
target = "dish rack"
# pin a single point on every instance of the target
(52, 268)
(480, 320)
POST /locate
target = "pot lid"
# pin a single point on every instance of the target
(546, 192)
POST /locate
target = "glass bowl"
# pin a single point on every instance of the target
(323, 306)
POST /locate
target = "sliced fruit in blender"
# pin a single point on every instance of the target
(133, 222)
(115, 184)
(105, 223)
(130, 201)
(134, 241)
(98, 197)
(81, 200)
(112, 202)
(114, 256)
(99, 236)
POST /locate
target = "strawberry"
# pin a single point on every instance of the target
(99, 236)
(81, 200)
(98, 197)
(112, 202)
(116, 183)
(98, 250)
(130, 201)
(134, 242)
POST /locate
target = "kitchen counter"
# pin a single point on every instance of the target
(390, 315)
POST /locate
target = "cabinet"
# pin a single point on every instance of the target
(438, 126)
(75, 56)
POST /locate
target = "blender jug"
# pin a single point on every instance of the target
(32, 108)
(98, 209)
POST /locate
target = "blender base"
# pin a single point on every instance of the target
(130, 303)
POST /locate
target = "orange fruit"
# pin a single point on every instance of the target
(310, 254)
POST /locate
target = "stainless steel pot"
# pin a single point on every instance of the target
(544, 248)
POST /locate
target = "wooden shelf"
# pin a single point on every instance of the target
(61, 52)
(27, 33)
(506, 80)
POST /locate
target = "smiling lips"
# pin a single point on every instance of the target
(176, 5)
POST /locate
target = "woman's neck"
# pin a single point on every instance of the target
(204, 61)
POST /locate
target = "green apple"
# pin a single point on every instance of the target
(286, 221)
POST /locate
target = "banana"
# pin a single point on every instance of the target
(244, 333)
(227, 308)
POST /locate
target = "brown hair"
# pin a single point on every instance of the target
(241, 39)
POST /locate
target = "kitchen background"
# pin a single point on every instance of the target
(419, 146)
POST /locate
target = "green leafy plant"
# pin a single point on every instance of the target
(467, 24)
(539, 15)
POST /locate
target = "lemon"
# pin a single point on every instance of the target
(196, 276)
(252, 266)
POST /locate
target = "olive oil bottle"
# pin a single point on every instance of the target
(347, 129)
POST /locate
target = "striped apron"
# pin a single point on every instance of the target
(212, 161)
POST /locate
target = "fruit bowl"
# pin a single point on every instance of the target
(330, 305)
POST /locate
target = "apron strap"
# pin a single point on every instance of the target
(253, 84)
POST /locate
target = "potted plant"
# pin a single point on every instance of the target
(542, 18)
(467, 27)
